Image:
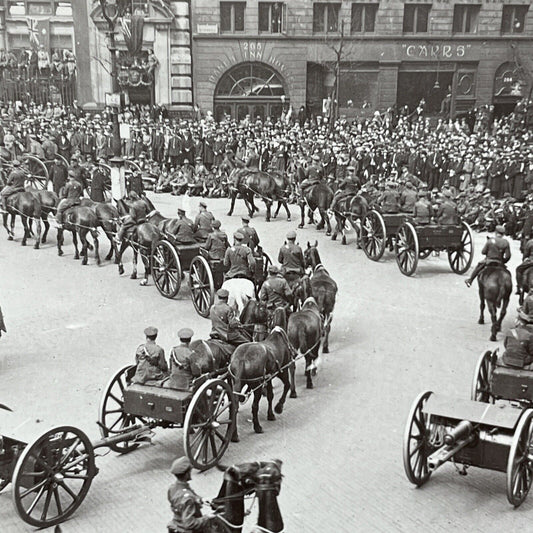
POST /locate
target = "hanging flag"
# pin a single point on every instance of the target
(34, 32)
(39, 30)
(132, 30)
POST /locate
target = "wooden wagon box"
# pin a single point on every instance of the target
(187, 252)
(393, 221)
(156, 402)
(512, 383)
(438, 236)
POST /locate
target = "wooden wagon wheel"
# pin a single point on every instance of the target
(107, 183)
(63, 160)
(166, 269)
(36, 173)
(209, 423)
(482, 378)
(202, 285)
(519, 470)
(111, 416)
(460, 257)
(373, 235)
(52, 476)
(416, 442)
(267, 262)
(4, 483)
(132, 165)
(407, 250)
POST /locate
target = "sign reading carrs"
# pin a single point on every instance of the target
(440, 51)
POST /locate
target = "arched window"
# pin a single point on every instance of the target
(253, 89)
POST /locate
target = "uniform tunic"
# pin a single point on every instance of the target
(497, 250)
(203, 224)
(151, 363)
(222, 318)
(251, 239)
(291, 259)
(423, 211)
(275, 292)
(447, 214)
(186, 506)
(240, 262)
(216, 245)
(180, 368)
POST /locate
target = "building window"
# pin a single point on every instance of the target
(39, 8)
(63, 9)
(16, 8)
(271, 15)
(514, 18)
(140, 7)
(232, 16)
(325, 18)
(465, 18)
(363, 18)
(415, 18)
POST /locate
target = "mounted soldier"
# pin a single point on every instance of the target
(292, 261)
(137, 215)
(527, 261)
(216, 243)
(251, 239)
(275, 291)
(238, 260)
(203, 224)
(497, 251)
(347, 187)
(15, 183)
(225, 325)
(72, 193)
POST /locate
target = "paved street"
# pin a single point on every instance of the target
(70, 327)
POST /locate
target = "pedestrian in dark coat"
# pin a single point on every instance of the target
(58, 175)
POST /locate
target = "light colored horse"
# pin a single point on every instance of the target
(241, 291)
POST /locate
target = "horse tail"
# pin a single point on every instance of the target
(302, 340)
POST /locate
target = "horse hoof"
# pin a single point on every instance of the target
(493, 338)
(328, 233)
(325, 350)
(272, 416)
(334, 237)
(258, 429)
(276, 216)
(133, 276)
(60, 253)
(36, 247)
(278, 409)
(10, 238)
(23, 243)
(288, 219)
(228, 214)
(343, 242)
(293, 395)
(44, 241)
(84, 263)
(310, 386)
(143, 283)
(120, 270)
(235, 438)
(76, 257)
(300, 226)
(480, 321)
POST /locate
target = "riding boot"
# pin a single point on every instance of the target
(475, 273)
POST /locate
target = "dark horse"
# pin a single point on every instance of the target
(495, 287)
(28, 206)
(247, 183)
(80, 221)
(318, 196)
(527, 283)
(323, 289)
(240, 481)
(254, 364)
(49, 201)
(351, 209)
(305, 332)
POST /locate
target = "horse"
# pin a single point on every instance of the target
(318, 196)
(80, 221)
(527, 283)
(260, 183)
(241, 291)
(49, 201)
(301, 290)
(305, 332)
(351, 209)
(267, 487)
(284, 190)
(253, 362)
(28, 207)
(255, 315)
(495, 287)
(108, 217)
(323, 289)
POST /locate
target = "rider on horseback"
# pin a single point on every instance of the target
(275, 291)
(347, 187)
(225, 325)
(527, 261)
(239, 260)
(72, 193)
(497, 251)
(137, 215)
(15, 183)
(292, 261)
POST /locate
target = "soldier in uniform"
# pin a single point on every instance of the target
(203, 224)
(390, 199)
(527, 261)
(137, 215)
(58, 175)
(180, 362)
(275, 291)
(251, 239)
(408, 198)
(98, 184)
(152, 366)
(347, 187)
(225, 325)
(291, 258)
(518, 347)
(423, 211)
(15, 183)
(72, 193)
(239, 260)
(182, 229)
(497, 251)
(447, 213)
(186, 505)
(217, 242)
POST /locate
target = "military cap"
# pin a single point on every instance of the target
(181, 211)
(238, 236)
(499, 229)
(202, 204)
(216, 224)
(16, 163)
(291, 234)
(273, 269)
(222, 293)
(185, 333)
(150, 331)
(245, 219)
(181, 465)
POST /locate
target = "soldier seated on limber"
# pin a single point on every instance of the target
(423, 210)
(275, 291)
(390, 199)
(225, 325)
(292, 260)
(497, 251)
(152, 368)
(181, 374)
(518, 347)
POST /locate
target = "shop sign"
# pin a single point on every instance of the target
(509, 80)
(436, 51)
(207, 28)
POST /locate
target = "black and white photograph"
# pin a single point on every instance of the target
(266, 267)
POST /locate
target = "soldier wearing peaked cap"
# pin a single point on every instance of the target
(186, 505)
(239, 260)
(225, 325)
(152, 366)
(181, 369)
(291, 258)
(203, 224)
(275, 291)
(251, 239)
(217, 242)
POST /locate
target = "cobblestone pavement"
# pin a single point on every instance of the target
(70, 327)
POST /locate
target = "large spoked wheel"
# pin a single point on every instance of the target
(519, 472)
(202, 285)
(209, 423)
(166, 269)
(460, 258)
(4, 483)
(482, 378)
(106, 169)
(416, 442)
(36, 173)
(111, 416)
(267, 262)
(52, 476)
(373, 235)
(407, 250)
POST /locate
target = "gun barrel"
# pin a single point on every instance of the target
(445, 453)
(461, 431)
